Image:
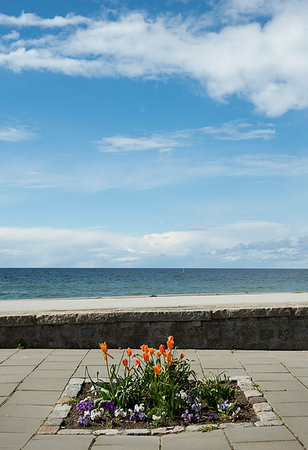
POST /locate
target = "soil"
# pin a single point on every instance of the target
(246, 414)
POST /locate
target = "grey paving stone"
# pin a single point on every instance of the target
(269, 376)
(282, 385)
(299, 371)
(43, 384)
(267, 415)
(299, 426)
(138, 432)
(74, 431)
(64, 358)
(292, 409)
(304, 380)
(13, 441)
(56, 365)
(36, 412)
(213, 440)
(268, 423)
(35, 397)
(7, 388)
(58, 442)
(259, 434)
(278, 445)
(15, 370)
(37, 373)
(263, 406)
(12, 378)
(19, 425)
(127, 442)
(273, 368)
(286, 396)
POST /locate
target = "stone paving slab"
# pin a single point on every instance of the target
(35, 397)
(276, 445)
(299, 426)
(214, 440)
(291, 409)
(128, 442)
(259, 434)
(59, 443)
(13, 441)
(35, 411)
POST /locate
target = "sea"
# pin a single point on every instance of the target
(28, 283)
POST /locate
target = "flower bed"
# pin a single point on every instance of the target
(153, 389)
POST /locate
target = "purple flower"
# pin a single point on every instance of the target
(190, 416)
(212, 416)
(82, 421)
(141, 416)
(132, 416)
(85, 405)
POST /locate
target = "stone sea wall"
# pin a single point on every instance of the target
(283, 328)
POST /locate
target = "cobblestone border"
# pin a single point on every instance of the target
(262, 409)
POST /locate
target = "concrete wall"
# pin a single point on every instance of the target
(251, 328)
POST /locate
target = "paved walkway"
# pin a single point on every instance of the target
(31, 382)
(266, 300)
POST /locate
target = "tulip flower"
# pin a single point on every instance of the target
(181, 355)
(144, 348)
(162, 349)
(170, 342)
(129, 351)
(125, 363)
(157, 369)
(158, 353)
(145, 356)
(104, 348)
(137, 362)
(151, 351)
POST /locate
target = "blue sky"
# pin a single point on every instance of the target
(153, 134)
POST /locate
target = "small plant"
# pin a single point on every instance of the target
(154, 386)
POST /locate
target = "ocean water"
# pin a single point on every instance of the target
(49, 283)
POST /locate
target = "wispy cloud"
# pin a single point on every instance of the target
(240, 131)
(121, 144)
(32, 20)
(17, 133)
(233, 131)
(263, 61)
(216, 244)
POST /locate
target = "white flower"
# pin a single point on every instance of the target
(86, 414)
(139, 408)
(94, 414)
(154, 417)
(120, 413)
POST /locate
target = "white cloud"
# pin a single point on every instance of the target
(240, 131)
(120, 144)
(264, 61)
(255, 242)
(30, 20)
(15, 134)
(13, 35)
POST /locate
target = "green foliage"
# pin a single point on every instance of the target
(214, 389)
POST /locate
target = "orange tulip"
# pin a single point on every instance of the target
(129, 351)
(125, 363)
(137, 362)
(144, 348)
(162, 349)
(158, 353)
(157, 369)
(168, 357)
(104, 348)
(151, 351)
(181, 355)
(145, 356)
(170, 342)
